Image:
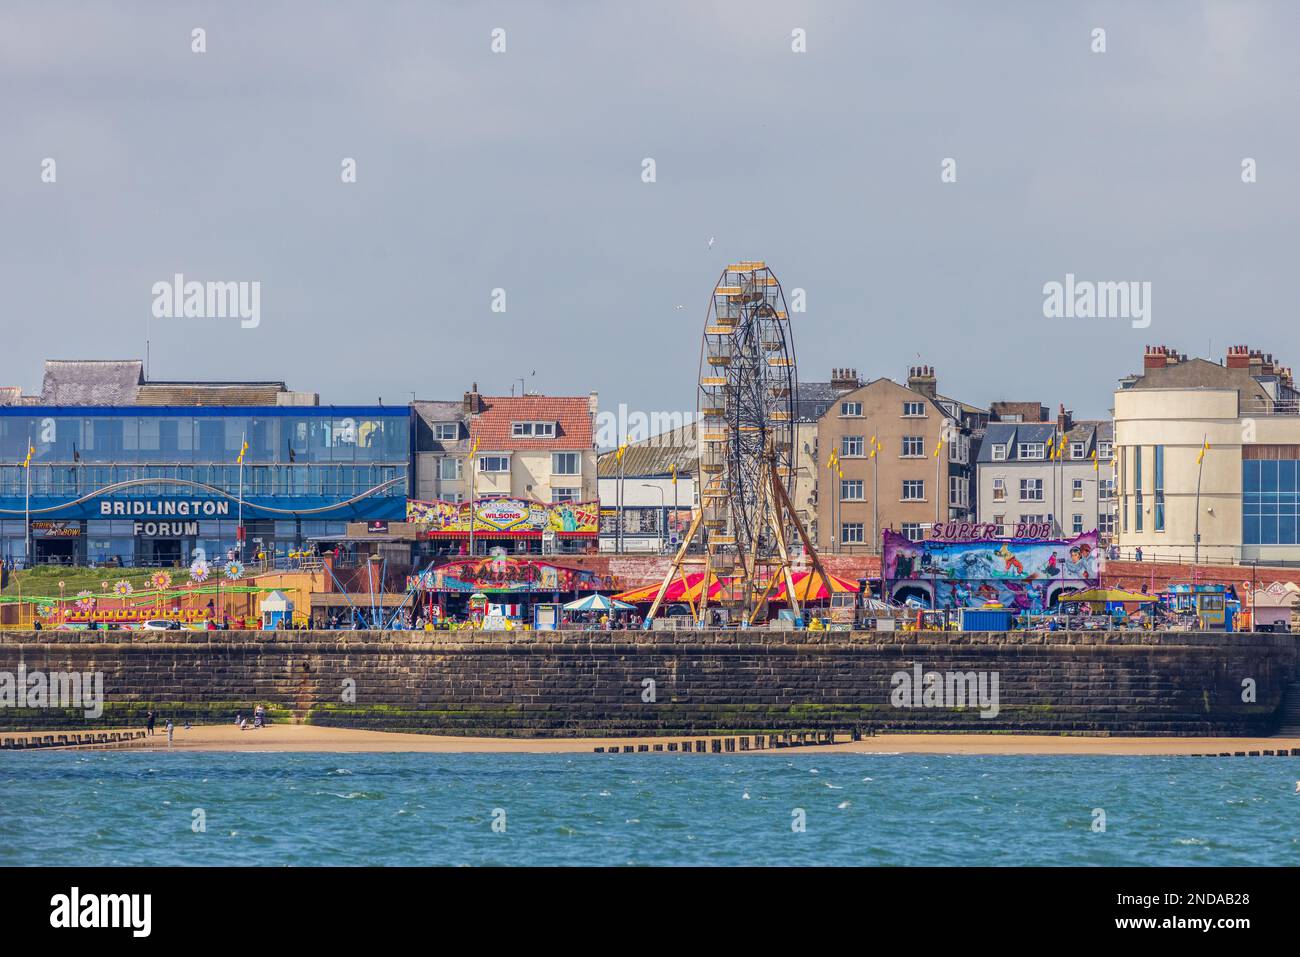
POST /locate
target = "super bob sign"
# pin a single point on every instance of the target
(986, 531)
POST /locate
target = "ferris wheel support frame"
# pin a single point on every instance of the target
(779, 507)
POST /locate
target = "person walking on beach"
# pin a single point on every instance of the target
(149, 721)
(170, 731)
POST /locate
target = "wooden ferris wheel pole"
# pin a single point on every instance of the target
(697, 516)
(803, 536)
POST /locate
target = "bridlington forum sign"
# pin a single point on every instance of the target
(179, 516)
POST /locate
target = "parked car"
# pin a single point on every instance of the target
(161, 624)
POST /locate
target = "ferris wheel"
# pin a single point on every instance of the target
(746, 403)
(745, 408)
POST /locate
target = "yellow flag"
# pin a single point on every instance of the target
(473, 448)
(832, 460)
(27, 463)
(840, 472)
(1201, 455)
(1094, 460)
(674, 468)
(242, 450)
(938, 446)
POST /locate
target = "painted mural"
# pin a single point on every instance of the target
(512, 515)
(1016, 573)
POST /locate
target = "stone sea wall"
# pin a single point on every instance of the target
(576, 683)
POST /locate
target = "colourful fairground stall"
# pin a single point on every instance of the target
(1211, 605)
(968, 567)
(515, 525)
(499, 591)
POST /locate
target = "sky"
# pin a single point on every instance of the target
(523, 171)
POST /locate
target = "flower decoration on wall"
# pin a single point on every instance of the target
(122, 588)
(85, 600)
(160, 580)
(234, 569)
(199, 571)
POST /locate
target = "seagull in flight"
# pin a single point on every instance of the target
(712, 240)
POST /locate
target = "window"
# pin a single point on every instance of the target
(1104, 450)
(566, 463)
(1031, 450)
(851, 445)
(1270, 501)
(957, 491)
(913, 446)
(565, 494)
(446, 431)
(1035, 519)
(1076, 525)
(1001, 522)
(999, 490)
(1106, 523)
(1076, 450)
(1105, 488)
(1137, 488)
(1031, 490)
(449, 469)
(914, 410)
(534, 430)
(1000, 452)
(1076, 490)
(913, 490)
(494, 463)
(1158, 467)
(851, 409)
(852, 533)
(851, 490)
(912, 530)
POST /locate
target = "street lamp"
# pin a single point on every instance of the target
(663, 539)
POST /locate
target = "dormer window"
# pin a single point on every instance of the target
(533, 430)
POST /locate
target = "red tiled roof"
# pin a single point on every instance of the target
(494, 425)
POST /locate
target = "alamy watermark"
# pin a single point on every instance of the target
(1085, 299)
(952, 689)
(57, 689)
(656, 428)
(179, 299)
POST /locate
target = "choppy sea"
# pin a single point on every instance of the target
(274, 809)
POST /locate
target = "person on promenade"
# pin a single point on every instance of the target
(149, 721)
(171, 729)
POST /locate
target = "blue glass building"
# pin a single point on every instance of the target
(144, 484)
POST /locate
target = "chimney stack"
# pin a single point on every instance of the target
(922, 379)
(473, 403)
(845, 380)
(1238, 357)
(1064, 419)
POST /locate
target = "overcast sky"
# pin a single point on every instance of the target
(523, 171)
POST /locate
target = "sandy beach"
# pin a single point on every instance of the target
(304, 738)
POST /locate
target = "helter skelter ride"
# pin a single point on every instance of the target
(738, 546)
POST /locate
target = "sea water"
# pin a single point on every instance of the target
(207, 808)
